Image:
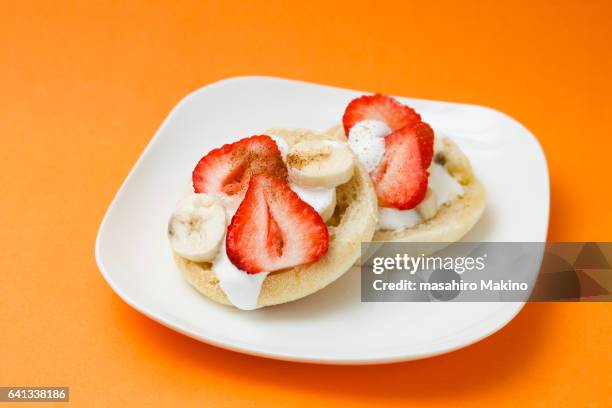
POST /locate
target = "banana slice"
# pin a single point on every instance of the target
(429, 206)
(320, 163)
(197, 227)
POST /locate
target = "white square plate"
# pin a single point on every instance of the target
(331, 326)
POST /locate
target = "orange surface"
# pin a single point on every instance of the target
(84, 86)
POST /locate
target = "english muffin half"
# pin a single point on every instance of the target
(455, 218)
(353, 222)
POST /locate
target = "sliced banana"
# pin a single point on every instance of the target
(197, 227)
(429, 206)
(320, 163)
(323, 200)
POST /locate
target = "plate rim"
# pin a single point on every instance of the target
(509, 310)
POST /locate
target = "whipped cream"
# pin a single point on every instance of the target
(240, 287)
(320, 198)
(394, 219)
(367, 140)
(230, 203)
(446, 187)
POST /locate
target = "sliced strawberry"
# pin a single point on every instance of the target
(425, 135)
(274, 229)
(379, 107)
(395, 114)
(401, 178)
(229, 168)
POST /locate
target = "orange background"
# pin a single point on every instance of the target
(84, 86)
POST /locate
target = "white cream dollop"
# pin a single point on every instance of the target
(241, 288)
(322, 199)
(394, 219)
(231, 204)
(443, 184)
(367, 140)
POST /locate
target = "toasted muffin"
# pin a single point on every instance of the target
(354, 221)
(455, 218)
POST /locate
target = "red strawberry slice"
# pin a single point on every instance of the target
(425, 135)
(379, 107)
(229, 168)
(274, 229)
(401, 179)
(395, 114)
